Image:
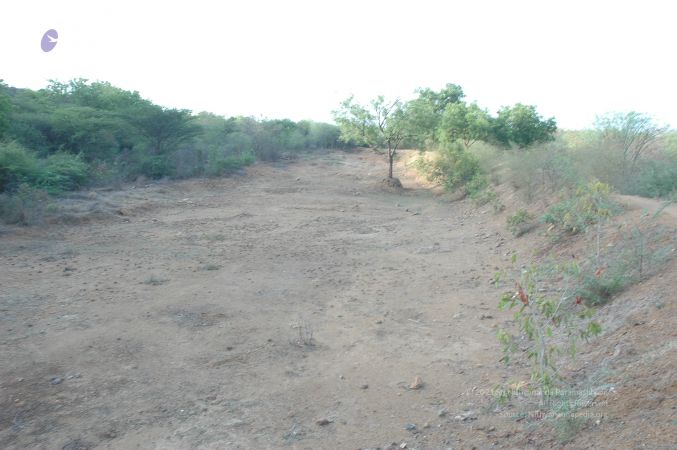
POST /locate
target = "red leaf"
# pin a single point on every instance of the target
(522, 295)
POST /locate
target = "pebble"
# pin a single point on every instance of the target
(417, 383)
(56, 380)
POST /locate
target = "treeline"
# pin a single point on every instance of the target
(444, 122)
(470, 146)
(78, 133)
(438, 118)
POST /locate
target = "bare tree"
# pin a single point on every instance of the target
(632, 133)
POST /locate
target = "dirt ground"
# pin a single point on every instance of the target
(289, 308)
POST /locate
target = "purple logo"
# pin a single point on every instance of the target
(49, 40)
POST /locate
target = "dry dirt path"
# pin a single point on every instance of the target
(177, 325)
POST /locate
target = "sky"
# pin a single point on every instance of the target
(298, 59)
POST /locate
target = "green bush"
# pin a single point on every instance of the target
(590, 204)
(220, 164)
(521, 222)
(654, 178)
(453, 168)
(17, 165)
(58, 172)
(156, 167)
(62, 172)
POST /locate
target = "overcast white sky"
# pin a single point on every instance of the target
(298, 59)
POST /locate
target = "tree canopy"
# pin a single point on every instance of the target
(383, 125)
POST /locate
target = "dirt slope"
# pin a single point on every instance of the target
(185, 321)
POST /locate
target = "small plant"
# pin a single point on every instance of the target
(551, 326)
(521, 222)
(305, 334)
(566, 422)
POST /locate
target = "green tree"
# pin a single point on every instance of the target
(465, 123)
(382, 126)
(523, 126)
(165, 128)
(5, 109)
(425, 111)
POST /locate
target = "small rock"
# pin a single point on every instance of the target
(298, 179)
(486, 316)
(426, 425)
(364, 386)
(417, 383)
(56, 380)
(442, 412)
(323, 422)
(468, 415)
(410, 427)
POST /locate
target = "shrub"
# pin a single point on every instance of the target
(654, 178)
(156, 166)
(62, 172)
(590, 204)
(219, 164)
(453, 168)
(549, 325)
(597, 287)
(58, 172)
(639, 253)
(27, 206)
(17, 165)
(521, 222)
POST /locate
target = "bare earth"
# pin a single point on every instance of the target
(238, 312)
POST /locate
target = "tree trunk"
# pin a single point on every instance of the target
(390, 163)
